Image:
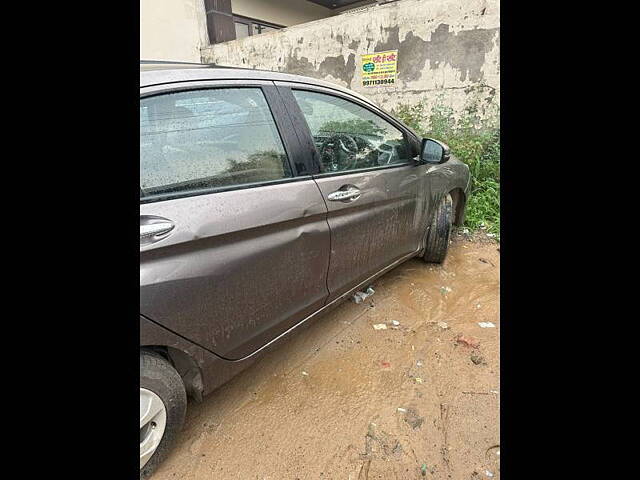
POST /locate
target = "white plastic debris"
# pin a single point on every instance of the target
(305, 373)
(486, 324)
(402, 410)
(359, 297)
(490, 235)
(395, 322)
(418, 363)
(488, 473)
(380, 326)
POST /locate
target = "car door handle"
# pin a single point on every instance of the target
(345, 194)
(153, 229)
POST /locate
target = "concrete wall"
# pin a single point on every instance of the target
(282, 12)
(447, 49)
(172, 30)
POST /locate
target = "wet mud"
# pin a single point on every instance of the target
(342, 400)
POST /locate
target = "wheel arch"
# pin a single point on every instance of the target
(459, 200)
(185, 365)
(183, 356)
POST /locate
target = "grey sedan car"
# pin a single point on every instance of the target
(265, 200)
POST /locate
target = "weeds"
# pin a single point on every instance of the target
(474, 138)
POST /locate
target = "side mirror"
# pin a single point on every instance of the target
(433, 151)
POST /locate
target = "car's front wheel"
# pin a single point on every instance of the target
(438, 232)
(163, 403)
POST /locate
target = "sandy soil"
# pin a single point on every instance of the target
(342, 400)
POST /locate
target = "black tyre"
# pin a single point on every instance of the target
(163, 404)
(438, 232)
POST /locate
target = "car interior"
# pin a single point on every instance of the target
(352, 141)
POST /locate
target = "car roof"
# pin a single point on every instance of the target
(153, 72)
(148, 65)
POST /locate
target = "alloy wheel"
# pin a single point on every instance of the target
(153, 420)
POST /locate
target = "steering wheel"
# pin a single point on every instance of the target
(387, 154)
(339, 152)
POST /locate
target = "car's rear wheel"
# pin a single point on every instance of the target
(163, 403)
(439, 231)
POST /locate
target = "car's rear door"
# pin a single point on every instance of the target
(377, 201)
(234, 244)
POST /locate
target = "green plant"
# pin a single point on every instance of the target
(354, 126)
(474, 138)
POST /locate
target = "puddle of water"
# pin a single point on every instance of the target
(274, 422)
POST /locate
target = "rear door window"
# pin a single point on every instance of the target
(202, 140)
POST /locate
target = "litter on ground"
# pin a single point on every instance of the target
(359, 297)
(477, 359)
(486, 324)
(467, 341)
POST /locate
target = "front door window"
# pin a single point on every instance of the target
(350, 137)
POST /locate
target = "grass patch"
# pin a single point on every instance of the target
(475, 140)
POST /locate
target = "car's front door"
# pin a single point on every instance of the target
(234, 244)
(375, 191)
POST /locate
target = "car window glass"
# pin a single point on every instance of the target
(206, 139)
(350, 137)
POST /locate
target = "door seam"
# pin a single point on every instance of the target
(326, 207)
(326, 219)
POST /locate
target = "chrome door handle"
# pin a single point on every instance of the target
(349, 194)
(151, 230)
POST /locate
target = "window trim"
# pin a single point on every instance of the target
(347, 96)
(292, 103)
(285, 139)
(163, 197)
(250, 21)
(410, 163)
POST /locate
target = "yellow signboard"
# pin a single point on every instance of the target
(380, 68)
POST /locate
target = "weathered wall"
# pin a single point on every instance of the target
(447, 50)
(172, 29)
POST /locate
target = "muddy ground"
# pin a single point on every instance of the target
(342, 400)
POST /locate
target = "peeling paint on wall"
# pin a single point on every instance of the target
(338, 68)
(465, 51)
(446, 50)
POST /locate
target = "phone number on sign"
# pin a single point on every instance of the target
(378, 82)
